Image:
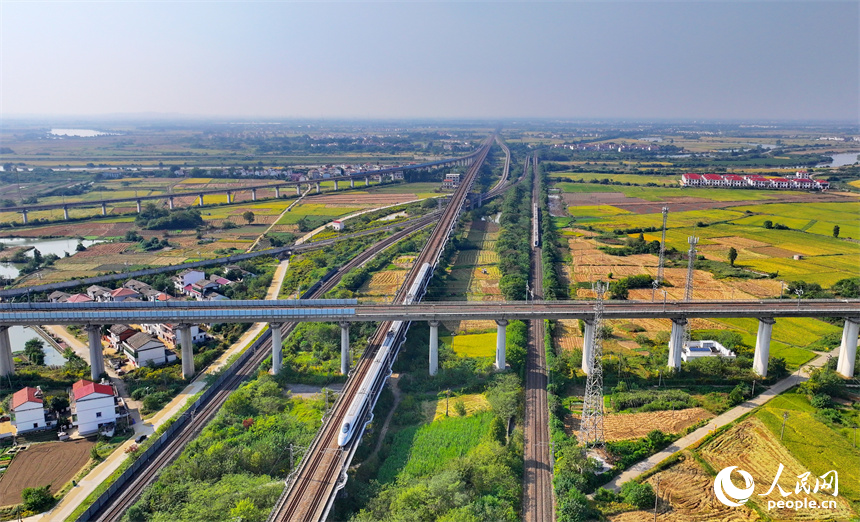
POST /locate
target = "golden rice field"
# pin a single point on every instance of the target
(473, 345)
(474, 403)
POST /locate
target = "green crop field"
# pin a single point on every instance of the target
(421, 450)
(675, 219)
(814, 444)
(473, 345)
(596, 211)
(620, 178)
(798, 331)
(315, 209)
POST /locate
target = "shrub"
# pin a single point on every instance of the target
(639, 495)
(573, 507)
(37, 499)
(821, 401)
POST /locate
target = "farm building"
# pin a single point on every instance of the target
(93, 406)
(696, 349)
(337, 225)
(28, 410)
(170, 332)
(119, 333)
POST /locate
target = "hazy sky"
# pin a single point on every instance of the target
(693, 59)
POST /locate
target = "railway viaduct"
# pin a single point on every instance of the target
(276, 187)
(346, 311)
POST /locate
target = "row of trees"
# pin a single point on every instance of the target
(513, 243)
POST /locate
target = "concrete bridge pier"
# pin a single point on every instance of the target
(434, 347)
(97, 362)
(253, 194)
(187, 351)
(104, 209)
(335, 184)
(200, 203)
(138, 206)
(676, 342)
(277, 348)
(66, 213)
(762, 345)
(587, 346)
(277, 192)
(170, 202)
(351, 183)
(229, 197)
(7, 364)
(366, 181)
(24, 216)
(344, 348)
(318, 188)
(299, 189)
(501, 330)
(848, 349)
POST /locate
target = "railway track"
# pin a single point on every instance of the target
(309, 495)
(130, 493)
(537, 473)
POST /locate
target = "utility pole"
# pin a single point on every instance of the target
(656, 496)
(784, 418)
(662, 248)
(447, 396)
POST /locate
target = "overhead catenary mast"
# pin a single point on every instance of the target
(659, 280)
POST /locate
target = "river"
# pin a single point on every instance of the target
(842, 159)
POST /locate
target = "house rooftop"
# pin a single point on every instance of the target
(79, 298)
(25, 395)
(119, 329)
(83, 388)
(138, 340)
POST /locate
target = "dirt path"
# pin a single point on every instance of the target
(727, 417)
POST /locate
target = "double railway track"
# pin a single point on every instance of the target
(126, 496)
(309, 495)
(537, 473)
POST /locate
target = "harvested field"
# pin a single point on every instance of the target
(474, 403)
(567, 335)
(752, 446)
(636, 425)
(53, 463)
(94, 229)
(361, 199)
(383, 285)
(103, 249)
(686, 496)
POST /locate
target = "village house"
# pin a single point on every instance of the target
(169, 333)
(123, 294)
(99, 293)
(28, 410)
(118, 333)
(79, 298)
(143, 349)
(186, 278)
(697, 349)
(93, 406)
(58, 297)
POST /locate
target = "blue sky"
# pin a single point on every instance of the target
(668, 60)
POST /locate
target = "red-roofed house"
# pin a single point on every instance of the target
(121, 294)
(93, 406)
(28, 410)
(758, 181)
(79, 298)
(691, 180)
(712, 180)
(803, 183)
(823, 185)
(733, 180)
(780, 183)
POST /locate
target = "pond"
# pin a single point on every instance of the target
(57, 246)
(19, 335)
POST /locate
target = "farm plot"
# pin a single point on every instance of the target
(596, 211)
(687, 496)
(382, 286)
(316, 210)
(621, 426)
(474, 345)
(675, 220)
(53, 463)
(754, 447)
(474, 403)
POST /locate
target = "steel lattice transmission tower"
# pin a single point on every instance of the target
(591, 426)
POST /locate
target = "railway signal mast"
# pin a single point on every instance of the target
(591, 427)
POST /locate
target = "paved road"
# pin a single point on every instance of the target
(721, 420)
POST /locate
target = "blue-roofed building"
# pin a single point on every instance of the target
(696, 349)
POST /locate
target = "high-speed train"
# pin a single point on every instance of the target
(380, 368)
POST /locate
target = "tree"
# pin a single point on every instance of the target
(640, 495)
(768, 224)
(33, 351)
(835, 230)
(248, 216)
(37, 499)
(504, 396)
(733, 255)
